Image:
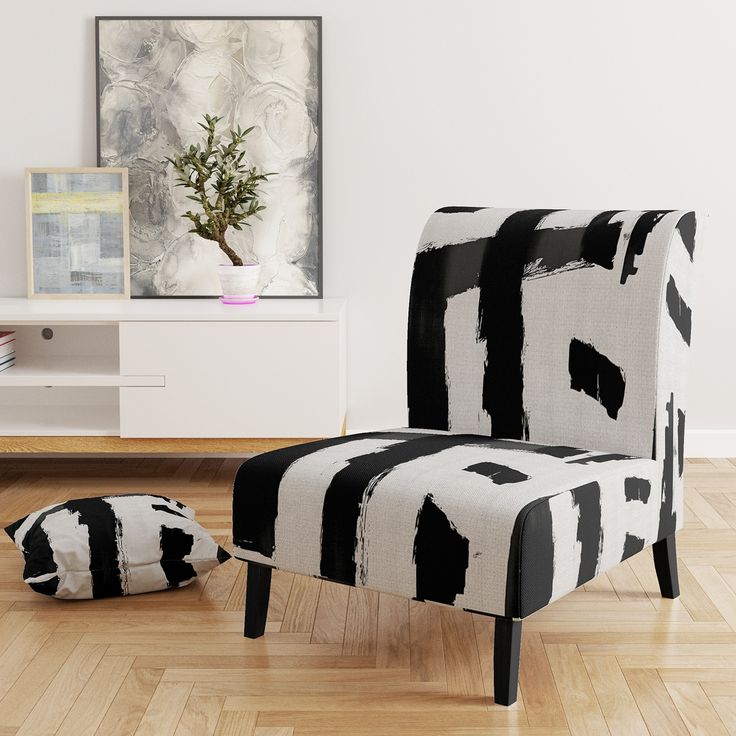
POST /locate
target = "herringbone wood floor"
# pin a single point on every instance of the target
(611, 658)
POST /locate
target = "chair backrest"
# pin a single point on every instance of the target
(557, 326)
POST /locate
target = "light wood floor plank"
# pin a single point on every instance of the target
(422, 701)
(427, 654)
(696, 710)
(361, 623)
(21, 651)
(12, 622)
(244, 679)
(704, 511)
(483, 627)
(220, 582)
(281, 583)
(724, 505)
(626, 584)
(726, 709)
(695, 599)
(96, 697)
(59, 697)
(200, 716)
(236, 599)
(255, 662)
(33, 681)
(332, 611)
(720, 687)
(660, 713)
(130, 703)
(165, 709)
(718, 591)
(479, 722)
(462, 665)
(392, 637)
(579, 702)
(269, 687)
(541, 698)
(236, 723)
(302, 606)
(617, 703)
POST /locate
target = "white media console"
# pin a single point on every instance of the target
(171, 375)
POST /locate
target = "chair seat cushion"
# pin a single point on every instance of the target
(497, 526)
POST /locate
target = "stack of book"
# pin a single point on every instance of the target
(7, 350)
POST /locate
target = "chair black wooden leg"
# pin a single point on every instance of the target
(257, 593)
(665, 563)
(506, 651)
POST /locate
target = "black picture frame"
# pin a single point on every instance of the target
(320, 116)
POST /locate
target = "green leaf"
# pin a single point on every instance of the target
(225, 184)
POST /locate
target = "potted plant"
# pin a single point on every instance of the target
(226, 187)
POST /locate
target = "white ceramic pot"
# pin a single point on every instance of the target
(239, 283)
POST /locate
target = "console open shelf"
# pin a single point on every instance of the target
(72, 371)
(39, 420)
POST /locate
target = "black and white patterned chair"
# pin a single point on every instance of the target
(532, 334)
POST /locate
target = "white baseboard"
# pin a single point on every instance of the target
(698, 442)
(710, 443)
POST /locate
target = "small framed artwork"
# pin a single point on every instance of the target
(77, 232)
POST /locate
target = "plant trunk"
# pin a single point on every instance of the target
(235, 259)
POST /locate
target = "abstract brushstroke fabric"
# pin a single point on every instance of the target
(531, 333)
(490, 525)
(113, 546)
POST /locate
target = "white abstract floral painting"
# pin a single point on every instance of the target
(156, 78)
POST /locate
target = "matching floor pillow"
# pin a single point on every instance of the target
(113, 546)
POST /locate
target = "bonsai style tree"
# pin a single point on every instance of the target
(223, 183)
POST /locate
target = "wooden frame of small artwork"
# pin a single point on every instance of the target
(77, 233)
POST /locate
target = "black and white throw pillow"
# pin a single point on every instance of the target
(113, 546)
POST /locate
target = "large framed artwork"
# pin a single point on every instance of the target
(156, 78)
(77, 233)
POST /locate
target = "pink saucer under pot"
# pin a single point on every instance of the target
(238, 300)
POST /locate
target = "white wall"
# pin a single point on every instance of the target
(571, 103)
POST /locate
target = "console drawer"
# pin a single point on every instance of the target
(233, 379)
